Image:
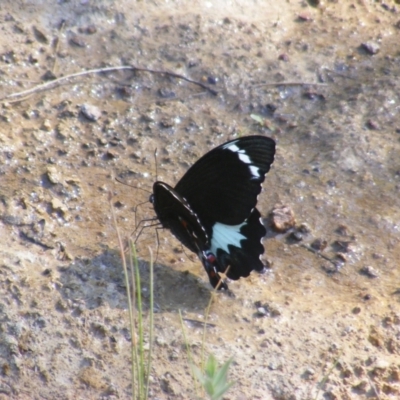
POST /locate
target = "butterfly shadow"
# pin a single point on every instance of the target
(90, 283)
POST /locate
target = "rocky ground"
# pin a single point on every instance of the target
(324, 321)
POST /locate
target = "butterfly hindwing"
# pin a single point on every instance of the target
(242, 256)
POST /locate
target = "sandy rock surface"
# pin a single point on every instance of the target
(324, 321)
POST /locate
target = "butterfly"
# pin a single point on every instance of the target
(212, 209)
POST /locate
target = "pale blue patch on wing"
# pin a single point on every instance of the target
(224, 235)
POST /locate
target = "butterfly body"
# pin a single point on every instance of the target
(212, 210)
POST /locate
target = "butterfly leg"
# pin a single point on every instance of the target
(210, 265)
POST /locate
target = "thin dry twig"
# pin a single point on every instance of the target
(288, 84)
(58, 81)
(179, 76)
(318, 253)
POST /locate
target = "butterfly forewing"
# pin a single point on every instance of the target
(223, 184)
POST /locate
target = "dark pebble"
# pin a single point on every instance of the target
(119, 204)
(40, 36)
(370, 47)
(283, 57)
(212, 80)
(124, 91)
(330, 268)
(304, 17)
(297, 236)
(373, 125)
(110, 155)
(88, 30)
(166, 93)
(344, 246)
(313, 95)
(49, 76)
(342, 230)
(77, 41)
(319, 244)
(304, 229)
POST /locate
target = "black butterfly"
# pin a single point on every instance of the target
(212, 208)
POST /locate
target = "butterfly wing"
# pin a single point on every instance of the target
(223, 185)
(175, 214)
(222, 189)
(242, 256)
(212, 208)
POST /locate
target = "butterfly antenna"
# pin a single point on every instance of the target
(155, 160)
(134, 187)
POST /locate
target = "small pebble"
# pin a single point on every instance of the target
(342, 230)
(58, 206)
(46, 126)
(369, 271)
(344, 246)
(304, 17)
(309, 372)
(297, 236)
(373, 125)
(49, 76)
(273, 366)
(92, 113)
(261, 312)
(319, 244)
(282, 218)
(89, 30)
(283, 57)
(370, 47)
(313, 95)
(166, 93)
(54, 175)
(341, 257)
(77, 41)
(331, 268)
(40, 36)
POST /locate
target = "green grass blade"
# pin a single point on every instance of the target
(151, 324)
(140, 342)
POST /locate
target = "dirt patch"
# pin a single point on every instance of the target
(324, 84)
